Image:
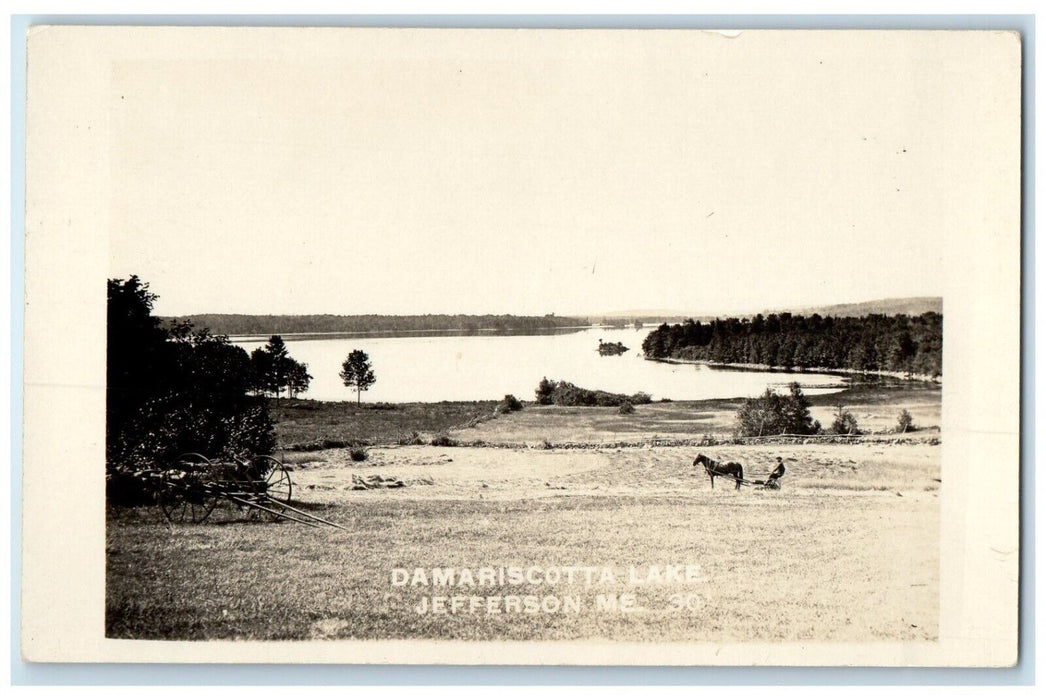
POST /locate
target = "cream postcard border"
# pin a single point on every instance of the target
(63, 547)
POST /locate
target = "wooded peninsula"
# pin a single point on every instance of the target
(874, 343)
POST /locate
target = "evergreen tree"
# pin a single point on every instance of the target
(273, 370)
(844, 423)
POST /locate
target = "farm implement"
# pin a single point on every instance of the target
(762, 484)
(757, 484)
(260, 487)
(735, 472)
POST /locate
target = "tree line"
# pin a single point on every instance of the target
(240, 324)
(272, 370)
(873, 343)
(174, 388)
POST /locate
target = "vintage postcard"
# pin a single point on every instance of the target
(499, 346)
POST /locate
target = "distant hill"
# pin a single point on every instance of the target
(909, 306)
(666, 314)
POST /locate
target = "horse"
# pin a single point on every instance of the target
(714, 469)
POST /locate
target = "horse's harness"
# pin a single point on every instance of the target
(714, 468)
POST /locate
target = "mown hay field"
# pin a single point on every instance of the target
(846, 551)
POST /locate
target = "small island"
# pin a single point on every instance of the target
(611, 348)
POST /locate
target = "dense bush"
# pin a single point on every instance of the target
(774, 414)
(509, 404)
(444, 440)
(414, 438)
(358, 453)
(567, 394)
(175, 424)
(544, 391)
(626, 407)
(904, 421)
(174, 390)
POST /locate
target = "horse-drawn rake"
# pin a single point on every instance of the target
(194, 486)
(735, 472)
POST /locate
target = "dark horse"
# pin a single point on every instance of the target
(714, 469)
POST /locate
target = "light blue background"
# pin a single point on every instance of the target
(231, 674)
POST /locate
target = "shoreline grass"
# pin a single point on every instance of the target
(305, 424)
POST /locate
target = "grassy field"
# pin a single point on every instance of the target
(875, 407)
(310, 425)
(315, 424)
(846, 551)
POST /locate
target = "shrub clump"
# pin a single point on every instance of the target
(774, 414)
(509, 404)
(358, 453)
(544, 392)
(844, 423)
(566, 394)
(904, 421)
(444, 440)
(625, 408)
(414, 438)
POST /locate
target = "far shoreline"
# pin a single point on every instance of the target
(832, 398)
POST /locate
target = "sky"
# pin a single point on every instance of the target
(542, 172)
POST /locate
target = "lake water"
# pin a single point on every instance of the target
(478, 367)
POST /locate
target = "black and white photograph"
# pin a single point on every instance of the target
(522, 346)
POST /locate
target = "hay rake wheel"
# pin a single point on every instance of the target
(259, 487)
(275, 484)
(185, 495)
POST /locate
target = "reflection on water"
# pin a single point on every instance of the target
(437, 367)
